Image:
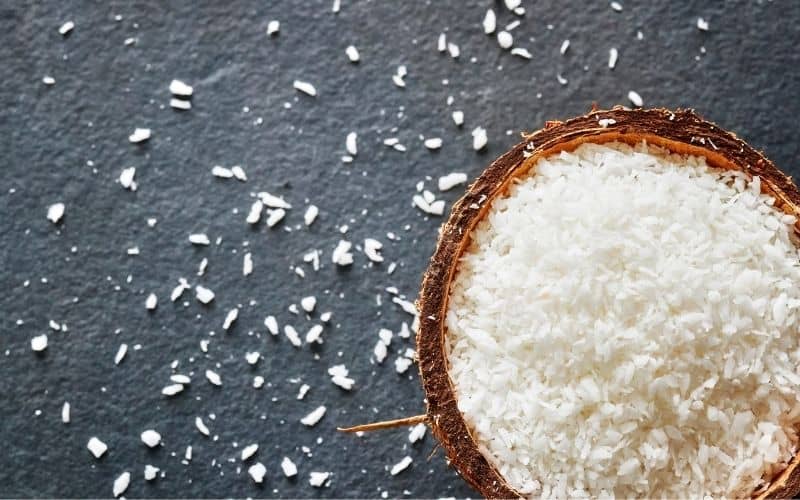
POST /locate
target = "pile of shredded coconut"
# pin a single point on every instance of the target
(624, 324)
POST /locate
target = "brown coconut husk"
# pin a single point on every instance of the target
(680, 131)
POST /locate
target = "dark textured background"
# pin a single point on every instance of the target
(69, 143)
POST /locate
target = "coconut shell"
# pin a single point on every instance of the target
(680, 131)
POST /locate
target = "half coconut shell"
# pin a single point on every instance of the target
(680, 131)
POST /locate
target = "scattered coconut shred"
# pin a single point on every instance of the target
(624, 323)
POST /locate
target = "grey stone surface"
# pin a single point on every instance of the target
(68, 143)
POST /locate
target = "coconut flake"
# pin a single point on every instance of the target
(180, 89)
(305, 88)
(121, 484)
(39, 343)
(55, 212)
(635, 99)
(318, 479)
(139, 135)
(213, 377)
(479, 138)
(96, 447)
(257, 472)
(311, 215)
(489, 22)
(288, 467)
(315, 416)
(203, 294)
(401, 466)
(151, 438)
(341, 255)
(352, 54)
(449, 181)
(613, 54)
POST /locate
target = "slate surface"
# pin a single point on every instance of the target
(69, 143)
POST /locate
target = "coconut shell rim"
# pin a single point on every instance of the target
(680, 131)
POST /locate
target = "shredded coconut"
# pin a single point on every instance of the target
(624, 323)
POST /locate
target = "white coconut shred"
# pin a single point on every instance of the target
(624, 323)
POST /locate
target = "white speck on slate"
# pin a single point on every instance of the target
(453, 50)
(239, 173)
(449, 181)
(315, 416)
(180, 104)
(247, 264)
(150, 472)
(248, 451)
(55, 212)
(203, 294)
(275, 216)
(339, 376)
(289, 468)
(479, 138)
(273, 201)
(441, 44)
(121, 483)
(341, 254)
(635, 99)
(257, 472)
(272, 324)
(351, 143)
(199, 239)
(380, 351)
(613, 54)
(151, 438)
(96, 447)
(65, 28)
(151, 302)
(222, 172)
(702, 24)
(317, 479)
(417, 432)
(121, 352)
(172, 389)
(520, 52)
(564, 47)
(292, 335)
(39, 343)
(372, 248)
(273, 27)
(48, 80)
(458, 118)
(314, 334)
(352, 54)
(402, 364)
(305, 88)
(301, 393)
(308, 303)
(139, 135)
(401, 466)
(311, 214)
(489, 22)
(201, 426)
(505, 40)
(181, 89)
(433, 143)
(252, 357)
(254, 215)
(230, 318)
(616, 6)
(213, 377)
(180, 379)
(65, 410)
